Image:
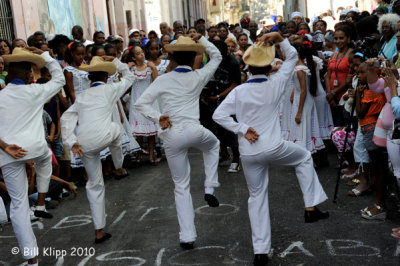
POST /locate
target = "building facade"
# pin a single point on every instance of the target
(21, 18)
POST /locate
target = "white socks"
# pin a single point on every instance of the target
(40, 208)
(209, 190)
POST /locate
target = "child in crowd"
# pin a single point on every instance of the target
(144, 74)
(152, 52)
(368, 106)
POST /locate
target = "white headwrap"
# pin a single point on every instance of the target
(354, 9)
(296, 14)
(344, 12)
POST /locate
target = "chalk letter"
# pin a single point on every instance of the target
(299, 245)
(351, 244)
(71, 221)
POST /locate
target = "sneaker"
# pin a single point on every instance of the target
(33, 217)
(234, 168)
(43, 214)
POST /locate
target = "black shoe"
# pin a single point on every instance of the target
(43, 214)
(104, 238)
(260, 259)
(314, 216)
(187, 246)
(211, 200)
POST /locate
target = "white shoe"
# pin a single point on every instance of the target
(33, 217)
(234, 168)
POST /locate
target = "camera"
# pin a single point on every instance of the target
(381, 64)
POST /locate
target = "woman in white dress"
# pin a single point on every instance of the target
(323, 108)
(144, 73)
(152, 54)
(304, 128)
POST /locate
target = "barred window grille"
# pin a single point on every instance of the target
(6, 21)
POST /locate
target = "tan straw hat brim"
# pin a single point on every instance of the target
(198, 48)
(22, 55)
(259, 55)
(99, 65)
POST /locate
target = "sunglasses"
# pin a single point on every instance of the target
(142, 35)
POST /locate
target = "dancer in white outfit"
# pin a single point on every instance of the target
(21, 110)
(178, 93)
(256, 106)
(93, 110)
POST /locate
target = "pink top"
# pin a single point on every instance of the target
(387, 117)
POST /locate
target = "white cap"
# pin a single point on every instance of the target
(354, 9)
(131, 31)
(296, 14)
(344, 12)
(269, 22)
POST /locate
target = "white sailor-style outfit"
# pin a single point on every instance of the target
(178, 93)
(93, 110)
(128, 143)
(256, 105)
(21, 111)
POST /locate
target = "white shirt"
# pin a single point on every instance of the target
(256, 105)
(87, 42)
(93, 110)
(21, 111)
(178, 93)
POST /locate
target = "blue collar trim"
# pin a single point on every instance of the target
(183, 70)
(259, 80)
(18, 82)
(97, 83)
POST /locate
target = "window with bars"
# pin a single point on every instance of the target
(6, 21)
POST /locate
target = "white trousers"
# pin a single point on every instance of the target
(95, 186)
(177, 141)
(16, 181)
(255, 168)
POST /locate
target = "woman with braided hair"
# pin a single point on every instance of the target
(304, 127)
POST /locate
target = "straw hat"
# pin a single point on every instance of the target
(185, 44)
(259, 55)
(99, 65)
(23, 55)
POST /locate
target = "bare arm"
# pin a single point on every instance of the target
(69, 85)
(362, 108)
(50, 137)
(58, 121)
(303, 94)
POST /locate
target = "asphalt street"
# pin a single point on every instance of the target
(141, 217)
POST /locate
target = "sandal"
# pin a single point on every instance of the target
(357, 193)
(353, 182)
(352, 175)
(396, 232)
(158, 159)
(367, 214)
(124, 174)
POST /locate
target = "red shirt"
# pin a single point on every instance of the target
(343, 68)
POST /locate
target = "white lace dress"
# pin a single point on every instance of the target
(323, 108)
(285, 110)
(128, 142)
(305, 134)
(140, 125)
